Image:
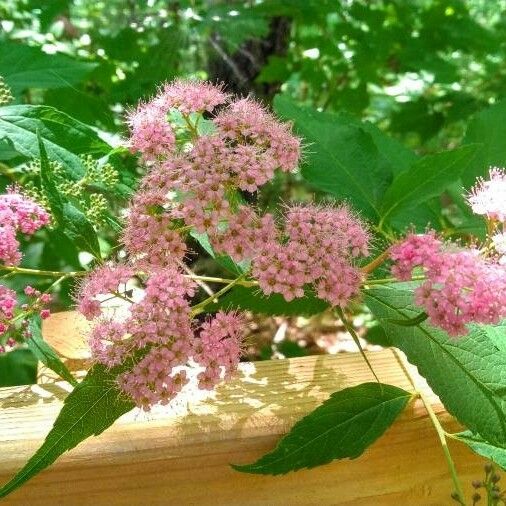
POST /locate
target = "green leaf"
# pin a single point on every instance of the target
(343, 426)
(18, 367)
(341, 158)
(45, 353)
(411, 322)
(488, 128)
(25, 67)
(252, 299)
(91, 408)
(468, 373)
(64, 137)
(481, 447)
(224, 260)
(48, 185)
(398, 154)
(80, 230)
(427, 178)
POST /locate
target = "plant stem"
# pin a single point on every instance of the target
(385, 281)
(198, 308)
(37, 272)
(211, 279)
(349, 327)
(442, 438)
(442, 434)
(376, 262)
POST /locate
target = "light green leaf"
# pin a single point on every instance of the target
(481, 447)
(91, 408)
(252, 299)
(427, 178)
(25, 67)
(343, 426)
(341, 158)
(224, 260)
(64, 137)
(45, 353)
(468, 374)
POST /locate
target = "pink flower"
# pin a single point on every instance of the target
(17, 214)
(461, 287)
(7, 305)
(101, 281)
(488, 197)
(150, 132)
(191, 96)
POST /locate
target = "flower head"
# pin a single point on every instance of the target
(488, 196)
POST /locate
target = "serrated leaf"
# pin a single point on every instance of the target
(427, 178)
(91, 408)
(25, 67)
(342, 158)
(80, 230)
(342, 427)
(482, 447)
(45, 353)
(252, 299)
(48, 185)
(64, 137)
(468, 374)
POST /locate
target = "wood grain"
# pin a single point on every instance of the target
(181, 456)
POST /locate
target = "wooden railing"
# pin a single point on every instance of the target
(181, 456)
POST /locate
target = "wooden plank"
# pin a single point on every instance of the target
(181, 455)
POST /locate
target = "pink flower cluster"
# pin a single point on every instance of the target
(461, 285)
(151, 133)
(8, 305)
(320, 245)
(244, 146)
(488, 196)
(156, 336)
(17, 214)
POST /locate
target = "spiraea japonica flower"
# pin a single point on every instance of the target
(199, 168)
(157, 336)
(461, 286)
(18, 214)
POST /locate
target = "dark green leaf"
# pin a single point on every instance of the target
(90, 409)
(488, 128)
(252, 299)
(343, 426)
(427, 178)
(80, 230)
(466, 373)
(341, 158)
(18, 367)
(64, 137)
(45, 353)
(25, 67)
(48, 185)
(481, 447)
